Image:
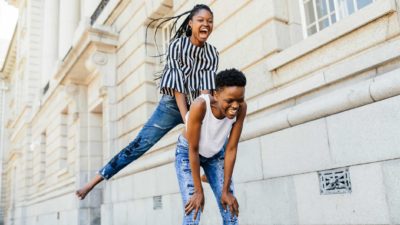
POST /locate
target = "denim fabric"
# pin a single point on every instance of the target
(214, 170)
(165, 117)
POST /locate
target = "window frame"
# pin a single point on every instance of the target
(341, 11)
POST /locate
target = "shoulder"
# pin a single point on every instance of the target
(199, 105)
(211, 48)
(175, 43)
(242, 111)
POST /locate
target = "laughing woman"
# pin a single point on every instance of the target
(189, 71)
(213, 127)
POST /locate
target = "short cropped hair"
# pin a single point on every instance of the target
(229, 78)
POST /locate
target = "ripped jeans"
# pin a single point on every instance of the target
(165, 117)
(214, 170)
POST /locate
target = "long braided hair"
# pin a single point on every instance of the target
(184, 29)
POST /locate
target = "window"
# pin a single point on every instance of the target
(158, 46)
(164, 37)
(319, 14)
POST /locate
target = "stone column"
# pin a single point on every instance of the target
(104, 65)
(50, 39)
(3, 89)
(69, 19)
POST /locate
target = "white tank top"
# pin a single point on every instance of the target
(214, 132)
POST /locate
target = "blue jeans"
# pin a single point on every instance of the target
(214, 170)
(165, 117)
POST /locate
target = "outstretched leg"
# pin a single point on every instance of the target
(165, 117)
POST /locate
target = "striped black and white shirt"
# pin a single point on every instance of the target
(189, 68)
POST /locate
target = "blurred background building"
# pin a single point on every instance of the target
(321, 140)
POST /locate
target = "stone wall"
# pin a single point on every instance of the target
(323, 102)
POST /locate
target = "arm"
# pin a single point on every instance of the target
(227, 199)
(173, 78)
(196, 116)
(181, 102)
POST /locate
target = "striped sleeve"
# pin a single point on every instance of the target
(172, 78)
(208, 76)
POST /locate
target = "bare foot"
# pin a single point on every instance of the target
(204, 178)
(81, 193)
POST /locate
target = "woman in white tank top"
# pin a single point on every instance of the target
(210, 140)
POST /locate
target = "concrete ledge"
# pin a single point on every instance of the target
(359, 63)
(358, 19)
(379, 88)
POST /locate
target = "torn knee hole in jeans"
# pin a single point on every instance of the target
(160, 127)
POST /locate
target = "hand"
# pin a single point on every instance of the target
(228, 200)
(196, 202)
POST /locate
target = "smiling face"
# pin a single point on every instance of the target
(229, 100)
(202, 26)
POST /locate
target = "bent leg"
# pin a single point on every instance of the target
(185, 179)
(214, 170)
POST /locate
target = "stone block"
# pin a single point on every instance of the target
(284, 93)
(133, 62)
(335, 51)
(245, 20)
(254, 52)
(144, 73)
(366, 204)
(166, 182)
(136, 40)
(248, 166)
(144, 93)
(365, 134)
(259, 80)
(127, 14)
(133, 24)
(298, 149)
(391, 179)
(271, 201)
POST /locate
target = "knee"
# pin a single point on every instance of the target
(188, 219)
(230, 220)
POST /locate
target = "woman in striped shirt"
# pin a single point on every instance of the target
(189, 72)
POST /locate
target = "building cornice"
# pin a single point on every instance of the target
(74, 69)
(101, 39)
(9, 62)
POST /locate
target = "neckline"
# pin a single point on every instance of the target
(195, 46)
(210, 107)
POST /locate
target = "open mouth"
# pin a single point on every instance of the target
(232, 112)
(204, 31)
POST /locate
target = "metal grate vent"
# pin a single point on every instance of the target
(336, 181)
(157, 202)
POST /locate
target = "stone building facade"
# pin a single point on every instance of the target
(320, 143)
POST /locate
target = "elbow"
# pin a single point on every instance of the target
(194, 150)
(231, 150)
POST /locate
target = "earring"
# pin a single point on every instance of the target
(189, 31)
